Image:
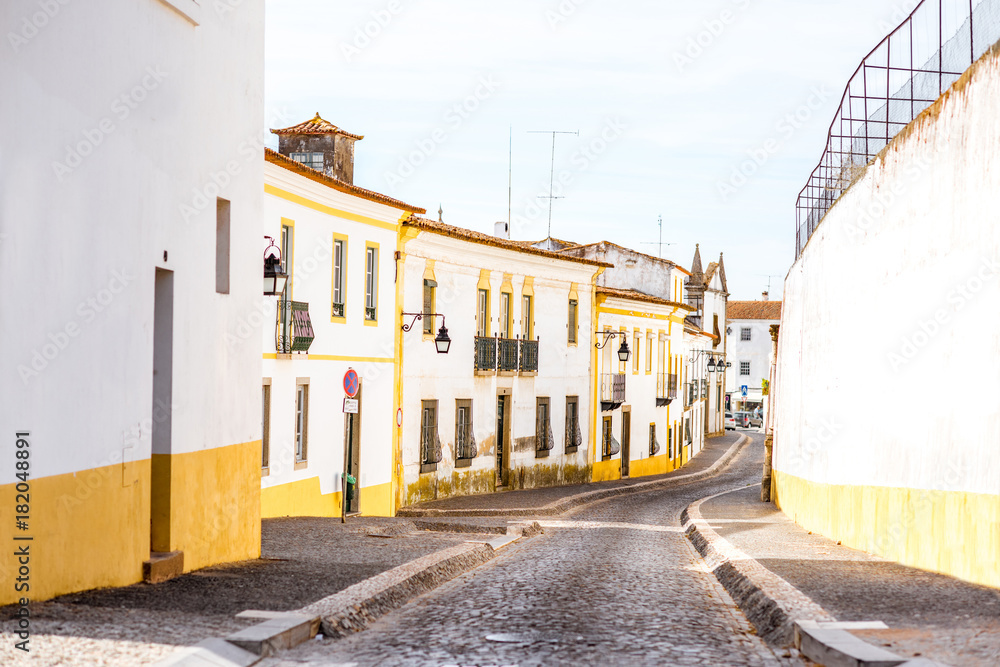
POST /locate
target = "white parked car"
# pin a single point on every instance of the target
(730, 421)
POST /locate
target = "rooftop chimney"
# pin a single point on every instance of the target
(501, 230)
(320, 145)
(764, 296)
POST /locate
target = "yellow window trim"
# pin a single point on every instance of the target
(329, 210)
(288, 222)
(337, 357)
(336, 319)
(484, 281)
(378, 281)
(528, 288)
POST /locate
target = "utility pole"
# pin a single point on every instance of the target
(552, 174)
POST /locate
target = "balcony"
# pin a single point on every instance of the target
(612, 391)
(529, 356)
(293, 330)
(666, 388)
(505, 355)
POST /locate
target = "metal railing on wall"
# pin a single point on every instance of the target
(902, 76)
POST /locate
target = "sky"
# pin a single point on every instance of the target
(709, 113)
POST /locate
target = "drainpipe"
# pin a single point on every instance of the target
(766, 478)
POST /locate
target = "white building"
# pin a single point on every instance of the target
(508, 405)
(749, 326)
(131, 186)
(338, 313)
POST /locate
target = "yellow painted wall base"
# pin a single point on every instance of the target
(607, 470)
(304, 498)
(91, 529)
(950, 532)
(654, 465)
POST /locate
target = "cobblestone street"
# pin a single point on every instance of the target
(616, 577)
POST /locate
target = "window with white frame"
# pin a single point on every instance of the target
(301, 422)
(339, 276)
(371, 284)
(465, 439)
(744, 368)
(744, 333)
(311, 160)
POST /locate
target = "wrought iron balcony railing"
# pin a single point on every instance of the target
(293, 329)
(486, 353)
(529, 356)
(666, 388)
(507, 356)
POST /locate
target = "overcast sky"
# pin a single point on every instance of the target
(670, 99)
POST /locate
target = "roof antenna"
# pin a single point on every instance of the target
(660, 243)
(552, 175)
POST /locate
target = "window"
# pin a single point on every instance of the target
(544, 441)
(670, 443)
(649, 354)
(527, 315)
(311, 160)
(506, 315)
(744, 368)
(654, 447)
(573, 436)
(430, 289)
(430, 443)
(574, 320)
(287, 247)
(483, 314)
(339, 276)
(371, 284)
(744, 333)
(301, 421)
(222, 246)
(465, 438)
(266, 425)
(636, 349)
(687, 431)
(607, 438)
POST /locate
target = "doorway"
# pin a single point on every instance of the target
(503, 439)
(161, 422)
(626, 437)
(352, 459)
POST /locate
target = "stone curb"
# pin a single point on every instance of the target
(563, 505)
(781, 613)
(350, 610)
(356, 607)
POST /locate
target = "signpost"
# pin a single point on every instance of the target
(351, 406)
(352, 384)
(744, 391)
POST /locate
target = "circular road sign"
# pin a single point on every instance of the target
(351, 383)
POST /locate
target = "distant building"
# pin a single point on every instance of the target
(749, 325)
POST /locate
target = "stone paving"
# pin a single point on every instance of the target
(529, 499)
(304, 559)
(929, 615)
(614, 581)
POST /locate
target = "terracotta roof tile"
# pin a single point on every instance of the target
(495, 241)
(636, 295)
(753, 310)
(316, 126)
(276, 158)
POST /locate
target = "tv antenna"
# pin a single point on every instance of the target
(552, 174)
(659, 244)
(768, 276)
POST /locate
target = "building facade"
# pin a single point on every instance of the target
(507, 407)
(140, 420)
(749, 327)
(327, 438)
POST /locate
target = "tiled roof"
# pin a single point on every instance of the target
(276, 158)
(570, 248)
(753, 310)
(636, 295)
(495, 241)
(316, 126)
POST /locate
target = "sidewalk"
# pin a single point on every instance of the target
(928, 615)
(547, 500)
(303, 560)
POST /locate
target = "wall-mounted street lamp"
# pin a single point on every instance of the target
(442, 341)
(274, 276)
(623, 351)
(716, 360)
